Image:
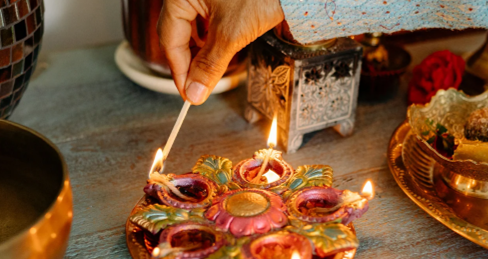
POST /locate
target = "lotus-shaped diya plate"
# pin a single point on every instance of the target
(221, 211)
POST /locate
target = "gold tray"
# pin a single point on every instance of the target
(137, 248)
(418, 176)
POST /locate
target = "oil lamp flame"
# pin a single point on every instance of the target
(158, 162)
(271, 176)
(156, 251)
(367, 191)
(272, 133)
(295, 255)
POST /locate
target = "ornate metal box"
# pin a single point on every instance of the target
(309, 87)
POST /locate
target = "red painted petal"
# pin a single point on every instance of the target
(242, 226)
(262, 224)
(224, 220)
(275, 200)
(277, 218)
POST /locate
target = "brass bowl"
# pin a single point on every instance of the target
(450, 108)
(36, 205)
(423, 181)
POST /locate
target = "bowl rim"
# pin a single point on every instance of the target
(65, 177)
(438, 157)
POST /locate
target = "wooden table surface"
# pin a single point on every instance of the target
(109, 129)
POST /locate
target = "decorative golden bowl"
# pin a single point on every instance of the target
(452, 108)
(36, 206)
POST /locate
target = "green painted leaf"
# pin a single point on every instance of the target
(217, 169)
(311, 175)
(295, 183)
(222, 176)
(230, 251)
(156, 217)
(329, 237)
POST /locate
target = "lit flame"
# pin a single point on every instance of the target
(156, 250)
(367, 191)
(295, 255)
(271, 176)
(272, 133)
(158, 162)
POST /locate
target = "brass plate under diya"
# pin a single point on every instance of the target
(222, 211)
(420, 177)
(136, 241)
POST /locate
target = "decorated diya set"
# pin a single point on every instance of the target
(258, 208)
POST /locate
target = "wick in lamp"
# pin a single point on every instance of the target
(157, 168)
(270, 175)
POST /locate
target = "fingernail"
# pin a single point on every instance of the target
(196, 92)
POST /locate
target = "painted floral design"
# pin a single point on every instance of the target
(248, 211)
(238, 217)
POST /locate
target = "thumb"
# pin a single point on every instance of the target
(206, 69)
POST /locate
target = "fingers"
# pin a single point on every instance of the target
(174, 28)
(207, 68)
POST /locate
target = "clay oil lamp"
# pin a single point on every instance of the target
(246, 212)
(326, 204)
(220, 211)
(185, 191)
(278, 245)
(189, 240)
(267, 169)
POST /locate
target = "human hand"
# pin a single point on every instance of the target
(233, 24)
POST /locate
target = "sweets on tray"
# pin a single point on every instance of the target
(473, 145)
(476, 127)
(456, 126)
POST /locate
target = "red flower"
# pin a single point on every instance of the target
(440, 70)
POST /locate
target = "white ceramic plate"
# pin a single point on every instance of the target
(135, 70)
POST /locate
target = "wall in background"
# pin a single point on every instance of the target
(74, 24)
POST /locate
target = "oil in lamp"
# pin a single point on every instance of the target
(310, 87)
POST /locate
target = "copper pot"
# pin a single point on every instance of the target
(36, 195)
(140, 18)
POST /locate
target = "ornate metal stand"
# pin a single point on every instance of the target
(309, 87)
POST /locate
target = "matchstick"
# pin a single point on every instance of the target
(174, 132)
